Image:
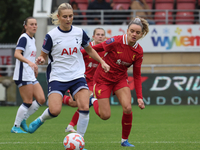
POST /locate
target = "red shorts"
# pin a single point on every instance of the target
(90, 85)
(104, 90)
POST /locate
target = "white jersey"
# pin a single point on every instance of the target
(23, 72)
(65, 58)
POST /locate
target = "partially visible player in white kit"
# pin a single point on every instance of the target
(66, 67)
(25, 74)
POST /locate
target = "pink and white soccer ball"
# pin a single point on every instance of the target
(73, 141)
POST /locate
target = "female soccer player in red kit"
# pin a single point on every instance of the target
(90, 65)
(121, 52)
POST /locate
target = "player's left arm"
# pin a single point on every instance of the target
(137, 81)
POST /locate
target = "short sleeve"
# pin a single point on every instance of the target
(85, 40)
(21, 43)
(47, 44)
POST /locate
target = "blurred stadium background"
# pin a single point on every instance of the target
(170, 70)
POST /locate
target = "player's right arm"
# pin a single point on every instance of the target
(41, 59)
(46, 48)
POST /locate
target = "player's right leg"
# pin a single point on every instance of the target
(26, 92)
(55, 105)
(40, 99)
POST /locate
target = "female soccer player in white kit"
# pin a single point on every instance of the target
(25, 74)
(66, 67)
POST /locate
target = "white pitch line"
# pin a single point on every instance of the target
(153, 142)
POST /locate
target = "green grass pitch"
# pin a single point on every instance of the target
(154, 128)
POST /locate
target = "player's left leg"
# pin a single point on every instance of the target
(74, 120)
(124, 96)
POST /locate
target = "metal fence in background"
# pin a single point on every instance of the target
(117, 17)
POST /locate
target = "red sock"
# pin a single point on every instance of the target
(126, 125)
(66, 99)
(74, 119)
(96, 107)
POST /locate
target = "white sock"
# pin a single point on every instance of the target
(33, 108)
(70, 126)
(21, 112)
(45, 116)
(123, 140)
(82, 123)
(93, 99)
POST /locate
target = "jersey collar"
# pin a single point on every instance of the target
(64, 31)
(125, 41)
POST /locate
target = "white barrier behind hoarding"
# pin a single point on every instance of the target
(161, 38)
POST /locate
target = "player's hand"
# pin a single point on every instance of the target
(34, 67)
(105, 66)
(140, 103)
(40, 60)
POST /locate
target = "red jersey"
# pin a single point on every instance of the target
(120, 56)
(90, 64)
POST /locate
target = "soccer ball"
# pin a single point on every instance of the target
(73, 141)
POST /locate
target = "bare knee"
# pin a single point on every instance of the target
(41, 100)
(104, 116)
(127, 109)
(55, 111)
(84, 107)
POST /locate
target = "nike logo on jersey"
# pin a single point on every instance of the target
(119, 52)
(58, 42)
